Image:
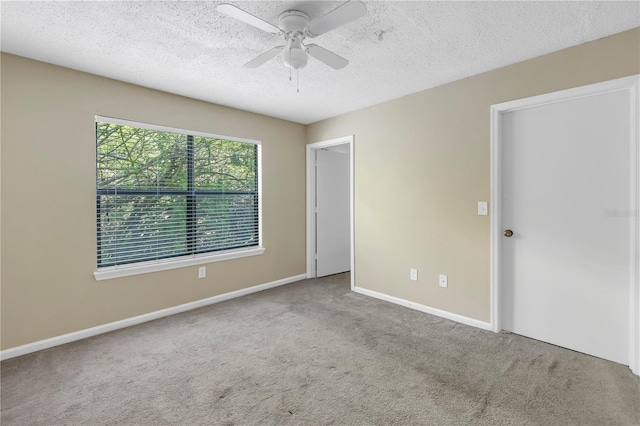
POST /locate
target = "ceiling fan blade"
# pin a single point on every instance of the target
(265, 57)
(323, 55)
(343, 14)
(247, 18)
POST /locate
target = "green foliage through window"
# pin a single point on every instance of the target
(162, 194)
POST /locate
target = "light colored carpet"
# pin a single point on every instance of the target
(313, 353)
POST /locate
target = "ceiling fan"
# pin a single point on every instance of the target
(295, 26)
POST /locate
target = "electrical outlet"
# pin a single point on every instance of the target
(413, 274)
(202, 272)
(444, 282)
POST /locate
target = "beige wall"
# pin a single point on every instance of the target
(422, 164)
(48, 201)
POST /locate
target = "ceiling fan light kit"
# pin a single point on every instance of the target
(295, 26)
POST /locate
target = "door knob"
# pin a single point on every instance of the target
(508, 233)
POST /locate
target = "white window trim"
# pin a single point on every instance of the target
(118, 271)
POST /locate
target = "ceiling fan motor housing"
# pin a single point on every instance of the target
(293, 21)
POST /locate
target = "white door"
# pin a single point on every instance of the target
(566, 186)
(333, 243)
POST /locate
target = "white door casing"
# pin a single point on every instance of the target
(547, 250)
(311, 202)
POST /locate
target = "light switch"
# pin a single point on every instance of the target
(413, 274)
(482, 208)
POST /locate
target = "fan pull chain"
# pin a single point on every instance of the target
(298, 81)
(289, 62)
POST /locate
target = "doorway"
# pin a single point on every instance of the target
(565, 224)
(330, 237)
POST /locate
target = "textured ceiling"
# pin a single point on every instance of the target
(188, 48)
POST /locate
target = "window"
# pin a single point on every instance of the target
(169, 194)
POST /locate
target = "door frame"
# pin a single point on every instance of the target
(311, 196)
(630, 84)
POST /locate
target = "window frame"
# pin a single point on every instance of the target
(129, 269)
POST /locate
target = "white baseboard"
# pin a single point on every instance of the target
(423, 308)
(105, 328)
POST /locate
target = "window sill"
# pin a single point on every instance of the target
(181, 262)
